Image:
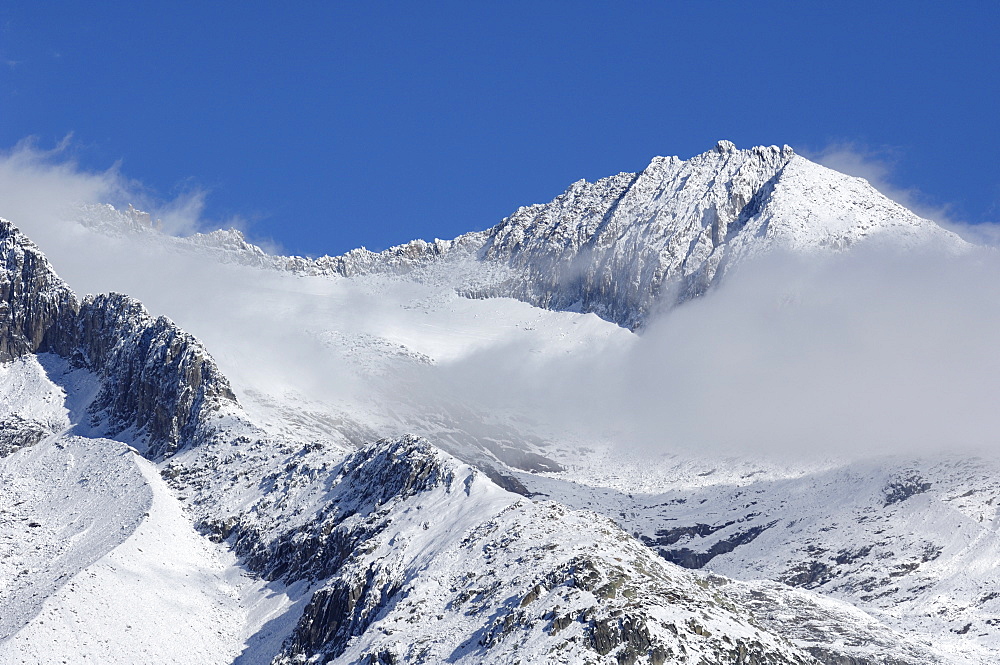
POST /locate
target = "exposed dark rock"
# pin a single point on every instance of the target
(665, 537)
(630, 632)
(338, 612)
(34, 302)
(219, 530)
(367, 481)
(157, 380)
(384, 657)
(903, 488)
(850, 556)
(691, 559)
(17, 432)
(506, 481)
(808, 575)
(560, 623)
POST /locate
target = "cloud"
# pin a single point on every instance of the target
(852, 354)
(45, 184)
(877, 166)
(49, 184)
(867, 352)
(870, 352)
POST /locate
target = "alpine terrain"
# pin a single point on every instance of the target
(359, 458)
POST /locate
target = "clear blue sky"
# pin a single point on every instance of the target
(332, 125)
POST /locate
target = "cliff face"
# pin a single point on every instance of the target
(666, 228)
(35, 305)
(157, 381)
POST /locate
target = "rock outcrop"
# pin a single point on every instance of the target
(157, 381)
(422, 559)
(35, 304)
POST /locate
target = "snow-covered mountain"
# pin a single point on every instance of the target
(164, 499)
(630, 245)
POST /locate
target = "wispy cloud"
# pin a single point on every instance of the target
(50, 183)
(44, 183)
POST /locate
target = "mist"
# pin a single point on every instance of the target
(862, 353)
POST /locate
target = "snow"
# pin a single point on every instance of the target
(66, 504)
(116, 562)
(921, 565)
(26, 391)
(98, 551)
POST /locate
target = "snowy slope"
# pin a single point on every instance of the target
(65, 505)
(127, 579)
(910, 541)
(280, 519)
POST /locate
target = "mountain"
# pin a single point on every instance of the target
(355, 530)
(164, 504)
(628, 246)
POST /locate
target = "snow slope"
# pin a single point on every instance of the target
(115, 571)
(267, 522)
(911, 541)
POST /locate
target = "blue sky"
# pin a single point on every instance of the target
(326, 126)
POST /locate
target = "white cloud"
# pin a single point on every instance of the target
(860, 353)
(44, 184)
(863, 353)
(39, 183)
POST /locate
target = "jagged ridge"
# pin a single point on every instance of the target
(411, 539)
(159, 382)
(630, 245)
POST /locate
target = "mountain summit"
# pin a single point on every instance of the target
(632, 244)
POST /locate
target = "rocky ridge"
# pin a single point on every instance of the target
(415, 557)
(628, 246)
(158, 383)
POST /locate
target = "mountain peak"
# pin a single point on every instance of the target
(725, 146)
(629, 245)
